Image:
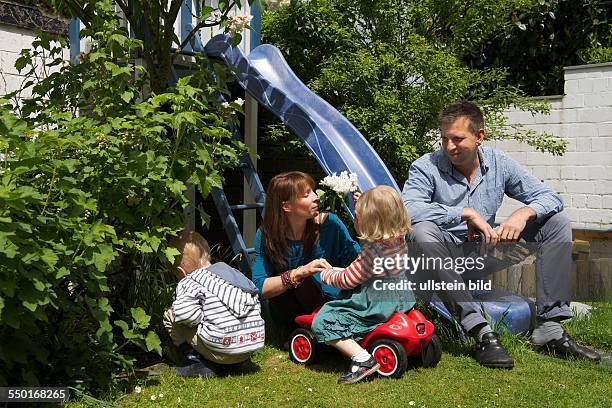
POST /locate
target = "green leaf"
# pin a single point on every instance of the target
(153, 343)
(70, 164)
(141, 319)
(171, 253)
(123, 325)
(127, 96)
(236, 39)
(49, 257)
(21, 62)
(61, 272)
(177, 187)
(38, 285)
(29, 305)
(126, 331)
(104, 305)
(104, 256)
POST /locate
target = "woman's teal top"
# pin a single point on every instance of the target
(334, 244)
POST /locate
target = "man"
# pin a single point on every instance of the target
(457, 191)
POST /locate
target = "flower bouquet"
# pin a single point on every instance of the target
(336, 191)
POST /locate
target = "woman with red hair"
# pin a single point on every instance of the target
(294, 243)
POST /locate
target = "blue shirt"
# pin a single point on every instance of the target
(334, 244)
(435, 191)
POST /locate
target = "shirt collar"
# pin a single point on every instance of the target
(446, 166)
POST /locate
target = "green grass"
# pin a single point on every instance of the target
(271, 379)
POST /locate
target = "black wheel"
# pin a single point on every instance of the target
(302, 346)
(432, 353)
(391, 356)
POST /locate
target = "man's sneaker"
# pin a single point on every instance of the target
(359, 371)
(490, 353)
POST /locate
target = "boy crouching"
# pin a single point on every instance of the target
(215, 318)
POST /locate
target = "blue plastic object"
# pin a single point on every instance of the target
(502, 309)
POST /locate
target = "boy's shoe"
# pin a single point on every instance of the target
(201, 369)
(359, 371)
(490, 353)
(192, 356)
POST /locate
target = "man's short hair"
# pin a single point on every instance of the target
(461, 109)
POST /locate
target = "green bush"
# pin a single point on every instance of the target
(93, 186)
(391, 66)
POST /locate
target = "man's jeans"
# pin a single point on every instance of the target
(552, 243)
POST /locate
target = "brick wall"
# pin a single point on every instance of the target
(583, 175)
(17, 25)
(12, 41)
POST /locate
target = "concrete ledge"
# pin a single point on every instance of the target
(588, 66)
(27, 17)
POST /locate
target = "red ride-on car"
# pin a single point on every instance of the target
(405, 338)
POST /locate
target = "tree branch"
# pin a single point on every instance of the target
(203, 24)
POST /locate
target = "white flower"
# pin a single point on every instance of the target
(276, 4)
(235, 24)
(411, 403)
(161, 395)
(153, 397)
(137, 389)
(310, 389)
(225, 105)
(344, 183)
(239, 101)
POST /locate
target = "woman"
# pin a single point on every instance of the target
(294, 244)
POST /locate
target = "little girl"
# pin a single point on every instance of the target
(382, 223)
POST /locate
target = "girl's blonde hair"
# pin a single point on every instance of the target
(194, 251)
(381, 215)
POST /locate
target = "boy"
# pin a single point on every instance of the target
(216, 312)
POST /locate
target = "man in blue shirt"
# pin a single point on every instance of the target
(455, 192)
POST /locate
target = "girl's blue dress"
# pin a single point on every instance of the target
(359, 311)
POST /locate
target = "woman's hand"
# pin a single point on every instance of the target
(304, 271)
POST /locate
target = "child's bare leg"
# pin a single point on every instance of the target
(362, 363)
(348, 346)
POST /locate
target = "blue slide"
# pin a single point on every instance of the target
(337, 145)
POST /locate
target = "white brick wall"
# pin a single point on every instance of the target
(12, 41)
(583, 175)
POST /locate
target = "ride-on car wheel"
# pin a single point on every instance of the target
(302, 346)
(432, 353)
(391, 356)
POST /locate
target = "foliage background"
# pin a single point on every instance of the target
(390, 66)
(93, 178)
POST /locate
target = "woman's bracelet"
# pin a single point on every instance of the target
(288, 281)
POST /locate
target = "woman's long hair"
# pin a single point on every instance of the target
(275, 225)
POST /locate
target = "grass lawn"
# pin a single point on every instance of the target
(273, 380)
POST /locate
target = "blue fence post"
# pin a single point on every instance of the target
(74, 37)
(186, 22)
(255, 39)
